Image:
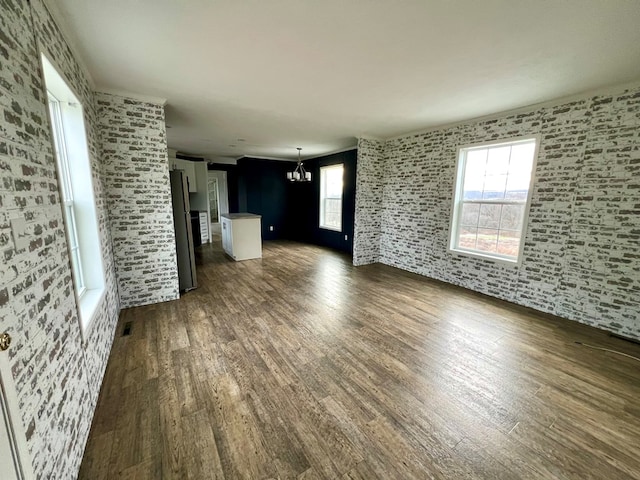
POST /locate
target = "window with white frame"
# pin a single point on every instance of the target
(492, 197)
(331, 197)
(76, 193)
(66, 192)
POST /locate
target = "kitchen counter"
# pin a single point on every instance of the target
(242, 235)
(235, 216)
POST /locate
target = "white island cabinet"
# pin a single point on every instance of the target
(241, 235)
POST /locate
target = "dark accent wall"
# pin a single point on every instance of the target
(304, 206)
(262, 190)
(293, 209)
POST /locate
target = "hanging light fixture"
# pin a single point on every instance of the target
(299, 174)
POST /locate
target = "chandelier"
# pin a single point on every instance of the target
(299, 174)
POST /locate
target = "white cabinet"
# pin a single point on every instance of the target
(242, 235)
(189, 169)
(204, 227)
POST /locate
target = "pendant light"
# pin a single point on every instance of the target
(299, 174)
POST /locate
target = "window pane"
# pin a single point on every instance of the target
(512, 217)
(498, 161)
(477, 161)
(71, 227)
(509, 242)
(331, 196)
(470, 212)
(473, 187)
(77, 270)
(467, 237)
(491, 202)
(334, 182)
(475, 165)
(520, 171)
(517, 187)
(494, 186)
(489, 215)
(522, 157)
(487, 240)
(60, 148)
(333, 212)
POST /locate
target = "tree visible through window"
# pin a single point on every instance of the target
(492, 193)
(331, 197)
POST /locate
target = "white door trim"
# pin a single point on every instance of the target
(9, 414)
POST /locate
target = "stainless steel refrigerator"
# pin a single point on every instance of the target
(184, 234)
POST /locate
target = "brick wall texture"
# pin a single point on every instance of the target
(581, 255)
(136, 176)
(369, 186)
(57, 374)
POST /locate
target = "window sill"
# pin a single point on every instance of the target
(331, 228)
(485, 256)
(89, 302)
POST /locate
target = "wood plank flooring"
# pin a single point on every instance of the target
(300, 365)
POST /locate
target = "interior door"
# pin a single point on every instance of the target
(12, 439)
(218, 197)
(7, 460)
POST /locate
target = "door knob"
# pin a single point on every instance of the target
(5, 341)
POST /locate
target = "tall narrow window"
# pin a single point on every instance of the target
(76, 193)
(66, 192)
(491, 199)
(331, 197)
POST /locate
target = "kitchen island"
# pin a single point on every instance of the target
(241, 235)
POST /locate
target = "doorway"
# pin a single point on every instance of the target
(14, 459)
(218, 197)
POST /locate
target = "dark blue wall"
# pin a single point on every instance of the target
(263, 190)
(304, 205)
(293, 209)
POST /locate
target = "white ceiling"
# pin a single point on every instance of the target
(258, 77)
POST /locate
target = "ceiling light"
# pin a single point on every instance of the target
(299, 174)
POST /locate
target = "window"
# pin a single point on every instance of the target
(331, 197)
(76, 193)
(491, 199)
(66, 193)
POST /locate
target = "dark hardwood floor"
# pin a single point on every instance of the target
(300, 365)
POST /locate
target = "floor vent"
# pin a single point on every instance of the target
(127, 329)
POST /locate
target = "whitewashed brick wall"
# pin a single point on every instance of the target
(136, 175)
(57, 377)
(581, 247)
(369, 185)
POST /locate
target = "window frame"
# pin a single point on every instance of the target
(74, 174)
(66, 194)
(457, 201)
(323, 197)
